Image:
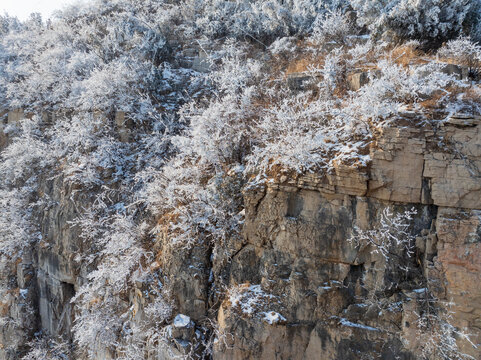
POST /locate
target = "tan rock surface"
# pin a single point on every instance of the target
(459, 255)
(297, 231)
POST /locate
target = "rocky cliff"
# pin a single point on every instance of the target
(293, 286)
(295, 248)
(268, 179)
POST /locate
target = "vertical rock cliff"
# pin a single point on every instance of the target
(342, 302)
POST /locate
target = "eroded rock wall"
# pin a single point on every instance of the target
(316, 294)
(296, 249)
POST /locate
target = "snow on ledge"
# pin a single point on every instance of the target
(273, 317)
(182, 321)
(346, 322)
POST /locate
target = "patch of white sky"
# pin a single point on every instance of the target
(23, 8)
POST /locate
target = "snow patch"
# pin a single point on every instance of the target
(249, 299)
(346, 322)
(420, 291)
(23, 293)
(273, 317)
(181, 321)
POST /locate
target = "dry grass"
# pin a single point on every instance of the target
(277, 172)
(437, 99)
(303, 64)
(239, 289)
(168, 218)
(43, 244)
(473, 94)
(156, 264)
(15, 292)
(95, 301)
(18, 261)
(406, 55)
(4, 309)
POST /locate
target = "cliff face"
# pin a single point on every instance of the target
(297, 288)
(332, 295)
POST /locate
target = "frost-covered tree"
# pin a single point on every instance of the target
(210, 152)
(434, 21)
(82, 62)
(394, 242)
(8, 23)
(73, 76)
(259, 21)
(333, 27)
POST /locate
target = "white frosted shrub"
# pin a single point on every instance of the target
(332, 27)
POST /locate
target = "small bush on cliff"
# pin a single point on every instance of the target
(391, 238)
(43, 348)
(464, 52)
(437, 336)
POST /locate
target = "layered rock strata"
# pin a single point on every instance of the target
(296, 248)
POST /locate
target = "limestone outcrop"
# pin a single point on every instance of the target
(296, 248)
